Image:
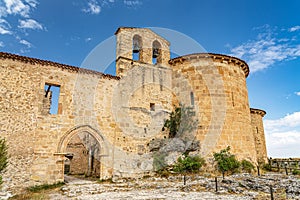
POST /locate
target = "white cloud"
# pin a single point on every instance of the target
(93, 7)
(4, 27)
(283, 136)
(26, 43)
(10, 10)
(267, 49)
(30, 24)
(295, 28)
(17, 7)
(1, 44)
(96, 6)
(32, 3)
(290, 120)
(297, 93)
(132, 3)
(88, 39)
(4, 31)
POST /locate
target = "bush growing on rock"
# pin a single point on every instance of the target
(3, 157)
(226, 162)
(182, 121)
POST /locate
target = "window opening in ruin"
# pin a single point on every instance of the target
(51, 103)
(192, 98)
(152, 106)
(256, 129)
(156, 52)
(136, 47)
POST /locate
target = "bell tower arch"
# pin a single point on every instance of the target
(140, 46)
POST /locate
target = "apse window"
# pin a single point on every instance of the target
(152, 106)
(51, 99)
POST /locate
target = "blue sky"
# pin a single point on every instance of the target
(264, 33)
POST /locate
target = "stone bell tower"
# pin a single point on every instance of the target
(140, 46)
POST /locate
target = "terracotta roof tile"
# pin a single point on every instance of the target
(33, 61)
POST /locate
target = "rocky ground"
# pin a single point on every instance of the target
(240, 186)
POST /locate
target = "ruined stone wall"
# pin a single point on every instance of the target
(259, 134)
(34, 136)
(219, 87)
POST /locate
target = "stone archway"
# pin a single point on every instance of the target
(87, 135)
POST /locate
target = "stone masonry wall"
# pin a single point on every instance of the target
(221, 96)
(32, 135)
(259, 135)
(123, 114)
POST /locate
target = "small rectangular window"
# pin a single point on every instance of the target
(152, 106)
(192, 99)
(51, 99)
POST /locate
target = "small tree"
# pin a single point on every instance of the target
(3, 157)
(188, 164)
(226, 162)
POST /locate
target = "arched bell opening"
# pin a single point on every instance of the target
(156, 52)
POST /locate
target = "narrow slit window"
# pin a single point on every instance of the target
(152, 106)
(192, 98)
(51, 99)
(232, 98)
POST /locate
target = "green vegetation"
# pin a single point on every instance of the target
(247, 166)
(38, 192)
(267, 167)
(296, 172)
(226, 162)
(159, 161)
(39, 188)
(188, 164)
(31, 196)
(3, 157)
(181, 121)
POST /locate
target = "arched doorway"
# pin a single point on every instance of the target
(83, 148)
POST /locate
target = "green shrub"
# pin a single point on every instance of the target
(38, 188)
(159, 162)
(226, 162)
(296, 172)
(267, 167)
(188, 164)
(3, 157)
(181, 121)
(247, 166)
